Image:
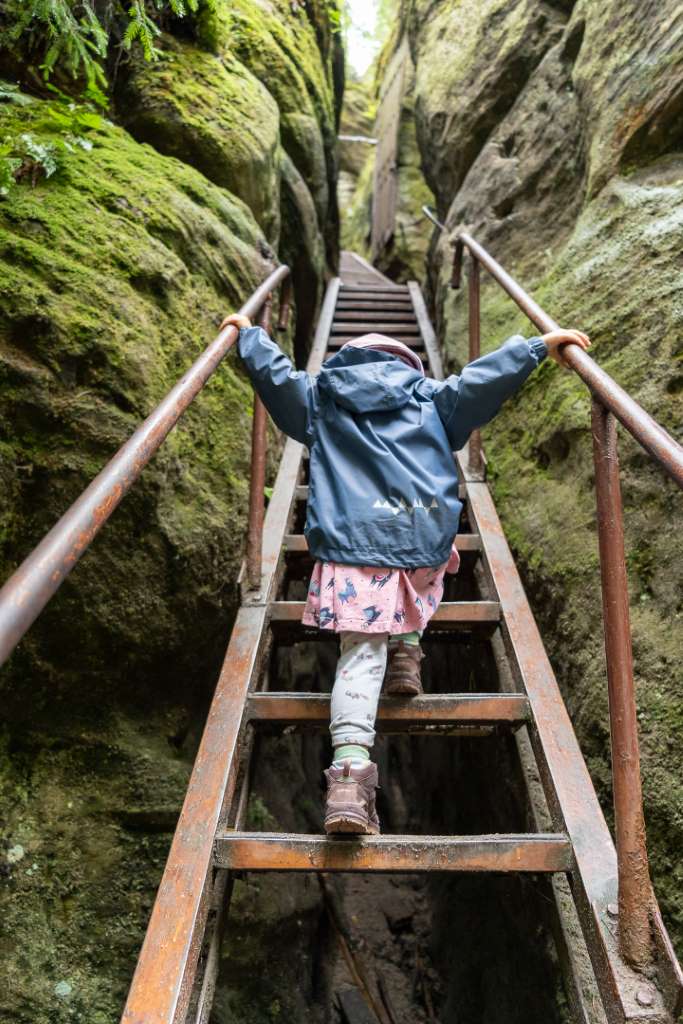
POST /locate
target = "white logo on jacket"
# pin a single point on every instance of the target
(406, 506)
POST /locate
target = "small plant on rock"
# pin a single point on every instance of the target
(75, 37)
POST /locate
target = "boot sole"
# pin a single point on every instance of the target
(349, 825)
(403, 690)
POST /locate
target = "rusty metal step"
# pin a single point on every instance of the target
(362, 326)
(463, 542)
(449, 614)
(378, 313)
(272, 851)
(368, 305)
(433, 712)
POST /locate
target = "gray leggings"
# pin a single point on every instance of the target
(357, 685)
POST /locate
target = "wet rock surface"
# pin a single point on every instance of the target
(116, 271)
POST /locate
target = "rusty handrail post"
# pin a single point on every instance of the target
(257, 480)
(609, 403)
(635, 891)
(456, 269)
(29, 589)
(474, 316)
(285, 304)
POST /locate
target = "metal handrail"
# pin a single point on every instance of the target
(651, 435)
(609, 403)
(646, 430)
(31, 586)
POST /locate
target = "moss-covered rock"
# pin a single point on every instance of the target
(629, 79)
(472, 58)
(281, 44)
(214, 114)
(261, 80)
(557, 146)
(115, 273)
(530, 170)
(302, 249)
(404, 256)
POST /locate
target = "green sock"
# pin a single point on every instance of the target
(408, 638)
(351, 752)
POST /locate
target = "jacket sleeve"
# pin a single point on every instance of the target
(288, 394)
(473, 398)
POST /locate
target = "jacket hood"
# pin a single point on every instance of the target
(365, 379)
(387, 344)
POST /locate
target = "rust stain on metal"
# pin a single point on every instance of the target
(431, 709)
(260, 851)
(257, 480)
(474, 447)
(448, 613)
(653, 437)
(635, 890)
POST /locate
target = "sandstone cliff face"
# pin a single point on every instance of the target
(404, 258)
(553, 132)
(116, 271)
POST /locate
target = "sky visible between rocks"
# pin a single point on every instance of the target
(361, 37)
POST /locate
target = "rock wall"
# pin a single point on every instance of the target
(116, 270)
(403, 258)
(553, 132)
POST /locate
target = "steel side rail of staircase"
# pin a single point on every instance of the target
(580, 844)
(176, 973)
(638, 920)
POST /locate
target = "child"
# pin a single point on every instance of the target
(382, 514)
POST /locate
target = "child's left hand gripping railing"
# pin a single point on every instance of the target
(29, 589)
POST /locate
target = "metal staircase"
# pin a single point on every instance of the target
(177, 969)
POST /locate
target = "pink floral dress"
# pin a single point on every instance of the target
(374, 600)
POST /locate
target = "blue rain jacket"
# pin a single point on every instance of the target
(383, 482)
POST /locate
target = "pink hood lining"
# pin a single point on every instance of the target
(386, 344)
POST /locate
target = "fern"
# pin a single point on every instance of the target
(75, 38)
(72, 31)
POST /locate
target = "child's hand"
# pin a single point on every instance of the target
(236, 320)
(555, 339)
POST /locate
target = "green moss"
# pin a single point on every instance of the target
(215, 115)
(618, 278)
(472, 59)
(629, 79)
(405, 255)
(88, 821)
(357, 216)
(280, 46)
(115, 273)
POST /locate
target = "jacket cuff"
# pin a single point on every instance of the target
(538, 349)
(243, 340)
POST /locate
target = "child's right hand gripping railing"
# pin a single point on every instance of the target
(609, 404)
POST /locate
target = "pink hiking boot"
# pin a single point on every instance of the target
(350, 805)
